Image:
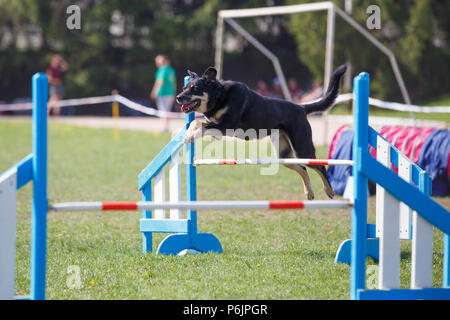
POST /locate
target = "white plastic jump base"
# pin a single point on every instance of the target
(311, 162)
(198, 205)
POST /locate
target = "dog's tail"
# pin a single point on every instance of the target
(331, 94)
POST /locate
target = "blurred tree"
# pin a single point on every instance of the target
(118, 41)
(416, 31)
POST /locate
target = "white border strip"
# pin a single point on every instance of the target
(395, 105)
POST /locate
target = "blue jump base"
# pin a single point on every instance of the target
(202, 242)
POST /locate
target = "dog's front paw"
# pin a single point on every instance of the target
(188, 139)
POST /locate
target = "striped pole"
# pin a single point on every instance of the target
(195, 205)
(311, 162)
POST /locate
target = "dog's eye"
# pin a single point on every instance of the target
(192, 86)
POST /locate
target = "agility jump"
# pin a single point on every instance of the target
(393, 189)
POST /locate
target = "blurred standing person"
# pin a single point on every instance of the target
(164, 89)
(315, 93)
(295, 90)
(263, 89)
(55, 80)
(277, 91)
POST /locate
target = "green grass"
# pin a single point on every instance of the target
(267, 255)
(442, 101)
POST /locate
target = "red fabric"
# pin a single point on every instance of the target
(406, 139)
(335, 140)
(392, 134)
(403, 136)
(409, 146)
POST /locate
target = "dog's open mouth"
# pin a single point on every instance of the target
(191, 106)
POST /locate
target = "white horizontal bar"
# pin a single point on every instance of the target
(327, 204)
(336, 162)
(278, 10)
(77, 206)
(212, 205)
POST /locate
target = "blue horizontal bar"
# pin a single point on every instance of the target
(407, 193)
(161, 159)
(24, 171)
(164, 225)
(373, 134)
(405, 294)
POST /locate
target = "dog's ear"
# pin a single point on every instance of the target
(191, 74)
(210, 73)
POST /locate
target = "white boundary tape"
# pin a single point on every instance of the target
(153, 112)
(146, 110)
(395, 105)
(97, 100)
(60, 103)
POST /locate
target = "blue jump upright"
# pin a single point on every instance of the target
(39, 206)
(367, 167)
(186, 231)
(33, 168)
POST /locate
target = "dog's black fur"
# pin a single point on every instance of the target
(232, 105)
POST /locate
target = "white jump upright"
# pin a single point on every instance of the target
(388, 228)
(8, 187)
(396, 221)
(160, 193)
(175, 184)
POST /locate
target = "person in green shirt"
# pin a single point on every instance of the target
(164, 89)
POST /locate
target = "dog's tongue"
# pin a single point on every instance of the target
(187, 106)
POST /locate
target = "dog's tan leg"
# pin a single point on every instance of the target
(305, 178)
(195, 131)
(326, 185)
(285, 150)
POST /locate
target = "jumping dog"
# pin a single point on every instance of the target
(232, 105)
